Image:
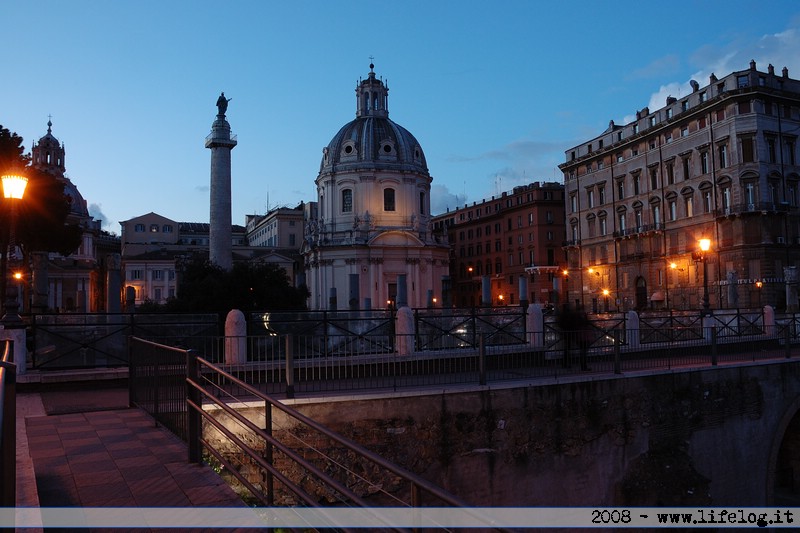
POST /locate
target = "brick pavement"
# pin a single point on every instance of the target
(111, 458)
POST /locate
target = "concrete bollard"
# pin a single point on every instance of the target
(235, 338)
(404, 331)
(534, 323)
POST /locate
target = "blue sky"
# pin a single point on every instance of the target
(495, 92)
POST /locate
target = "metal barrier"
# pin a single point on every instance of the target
(290, 365)
(282, 457)
(93, 340)
(8, 426)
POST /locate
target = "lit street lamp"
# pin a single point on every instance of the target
(13, 190)
(702, 255)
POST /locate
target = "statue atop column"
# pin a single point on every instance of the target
(222, 103)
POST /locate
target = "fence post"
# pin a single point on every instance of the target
(482, 358)
(617, 358)
(787, 337)
(713, 346)
(9, 445)
(156, 382)
(268, 452)
(193, 422)
(290, 366)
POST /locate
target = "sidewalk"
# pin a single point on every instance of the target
(80, 445)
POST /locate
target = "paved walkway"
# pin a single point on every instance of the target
(102, 454)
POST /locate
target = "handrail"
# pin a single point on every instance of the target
(8, 428)
(353, 446)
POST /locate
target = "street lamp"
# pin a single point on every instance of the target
(13, 190)
(702, 255)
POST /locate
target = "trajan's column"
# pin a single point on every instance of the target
(221, 142)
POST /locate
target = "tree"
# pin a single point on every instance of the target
(40, 223)
(204, 287)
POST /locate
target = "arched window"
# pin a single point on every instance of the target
(347, 201)
(422, 203)
(388, 200)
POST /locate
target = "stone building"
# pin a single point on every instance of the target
(719, 163)
(154, 246)
(76, 283)
(372, 225)
(512, 241)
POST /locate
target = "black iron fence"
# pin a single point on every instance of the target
(8, 426)
(91, 340)
(292, 364)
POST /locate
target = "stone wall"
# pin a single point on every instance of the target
(704, 437)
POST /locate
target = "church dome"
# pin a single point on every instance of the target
(48, 156)
(373, 140)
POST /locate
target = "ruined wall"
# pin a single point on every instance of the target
(679, 438)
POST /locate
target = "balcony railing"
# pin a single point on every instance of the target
(752, 207)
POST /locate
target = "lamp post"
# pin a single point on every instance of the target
(13, 191)
(702, 255)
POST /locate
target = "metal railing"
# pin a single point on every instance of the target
(280, 456)
(93, 340)
(292, 364)
(8, 426)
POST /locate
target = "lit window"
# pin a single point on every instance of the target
(153, 228)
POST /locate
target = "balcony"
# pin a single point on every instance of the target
(756, 207)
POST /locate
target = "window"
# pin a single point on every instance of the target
(167, 228)
(685, 105)
(704, 163)
(388, 200)
(653, 179)
(635, 129)
(347, 200)
(723, 155)
(153, 228)
(621, 218)
(139, 228)
(673, 210)
(158, 275)
(669, 113)
(726, 199)
(707, 201)
(620, 189)
(422, 203)
(652, 120)
(742, 81)
(601, 194)
(750, 194)
(685, 131)
(748, 155)
(573, 202)
(790, 150)
(688, 204)
(636, 184)
(771, 153)
(136, 274)
(171, 275)
(590, 197)
(292, 239)
(703, 97)
(744, 107)
(603, 227)
(670, 173)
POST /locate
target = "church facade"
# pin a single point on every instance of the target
(372, 222)
(75, 283)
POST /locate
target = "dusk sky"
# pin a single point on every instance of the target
(495, 92)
